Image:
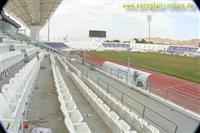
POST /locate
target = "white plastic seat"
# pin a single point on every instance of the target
(89, 92)
(93, 96)
(75, 116)
(5, 111)
(67, 97)
(61, 100)
(153, 129)
(64, 111)
(82, 128)
(106, 107)
(115, 127)
(62, 92)
(69, 125)
(128, 116)
(137, 123)
(118, 107)
(9, 94)
(107, 97)
(125, 127)
(105, 114)
(112, 101)
(134, 132)
(15, 83)
(98, 103)
(78, 128)
(146, 129)
(71, 106)
(114, 116)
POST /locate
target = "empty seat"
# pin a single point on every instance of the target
(82, 128)
(78, 128)
(137, 123)
(71, 106)
(75, 116)
(15, 82)
(125, 127)
(133, 132)
(5, 111)
(112, 101)
(118, 108)
(9, 93)
(115, 127)
(61, 100)
(67, 97)
(98, 103)
(105, 107)
(128, 116)
(62, 91)
(104, 114)
(114, 116)
(153, 129)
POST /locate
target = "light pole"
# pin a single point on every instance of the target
(49, 30)
(149, 21)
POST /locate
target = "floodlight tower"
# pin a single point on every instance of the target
(149, 21)
(49, 30)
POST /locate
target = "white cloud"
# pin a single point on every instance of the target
(75, 18)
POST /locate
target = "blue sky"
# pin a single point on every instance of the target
(75, 18)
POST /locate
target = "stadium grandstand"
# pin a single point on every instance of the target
(57, 45)
(65, 87)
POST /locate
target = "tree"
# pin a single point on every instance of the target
(116, 40)
(126, 41)
(143, 41)
(136, 40)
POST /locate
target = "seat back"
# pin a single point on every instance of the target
(125, 127)
(15, 82)
(114, 116)
(69, 125)
(76, 116)
(9, 93)
(5, 111)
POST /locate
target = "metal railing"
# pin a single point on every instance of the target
(169, 93)
(144, 109)
(126, 99)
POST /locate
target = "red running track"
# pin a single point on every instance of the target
(182, 92)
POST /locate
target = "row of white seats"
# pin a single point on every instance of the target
(15, 96)
(133, 119)
(9, 59)
(63, 64)
(7, 41)
(110, 118)
(73, 68)
(6, 45)
(149, 47)
(31, 51)
(73, 118)
(85, 45)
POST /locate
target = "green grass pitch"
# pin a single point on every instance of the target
(179, 66)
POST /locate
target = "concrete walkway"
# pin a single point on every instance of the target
(44, 107)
